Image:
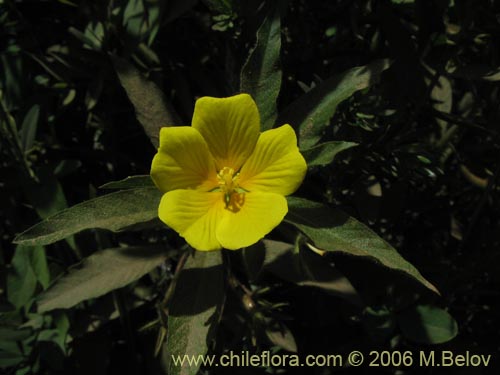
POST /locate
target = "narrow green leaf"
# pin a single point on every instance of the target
(59, 334)
(324, 153)
(29, 127)
(99, 274)
(261, 73)
(332, 230)
(131, 182)
(114, 211)
(152, 108)
(194, 311)
(21, 281)
(312, 112)
(40, 266)
(427, 324)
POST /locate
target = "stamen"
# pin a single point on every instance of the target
(228, 184)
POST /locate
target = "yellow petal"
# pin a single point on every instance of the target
(230, 126)
(183, 161)
(195, 215)
(258, 214)
(276, 165)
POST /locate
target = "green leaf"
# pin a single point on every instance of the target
(94, 33)
(332, 230)
(324, 153)
(99, 274)
(57, 335)
(39, 265)
(28, 128)
(261, 73)
(134, 18)
(130, 182)
(113, 211)
(312, 112)
(194, 311)
(21, 281)
(152, 108)
(427, 324)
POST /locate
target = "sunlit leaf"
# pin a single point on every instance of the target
(99, 274)
(114, 211)
(332, 230)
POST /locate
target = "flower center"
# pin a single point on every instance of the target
(234, 196)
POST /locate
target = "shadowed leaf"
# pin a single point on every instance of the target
(324, 153)
(194, 310)
(261, 73)
(29, 127)
(152, 109)
(306, 269)
(427, 324)
(312, 112)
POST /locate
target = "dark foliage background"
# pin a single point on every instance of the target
(424, 176)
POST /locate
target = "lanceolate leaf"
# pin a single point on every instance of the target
(194, 311)
(152, 109)
(22, 279)
(313, 111)
(29, 127)
(333, 230)
(114, 211)
(261, 74)
(99, 274)
(324, 153)
(130, 182)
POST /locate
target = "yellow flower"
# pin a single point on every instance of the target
(225, 182)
